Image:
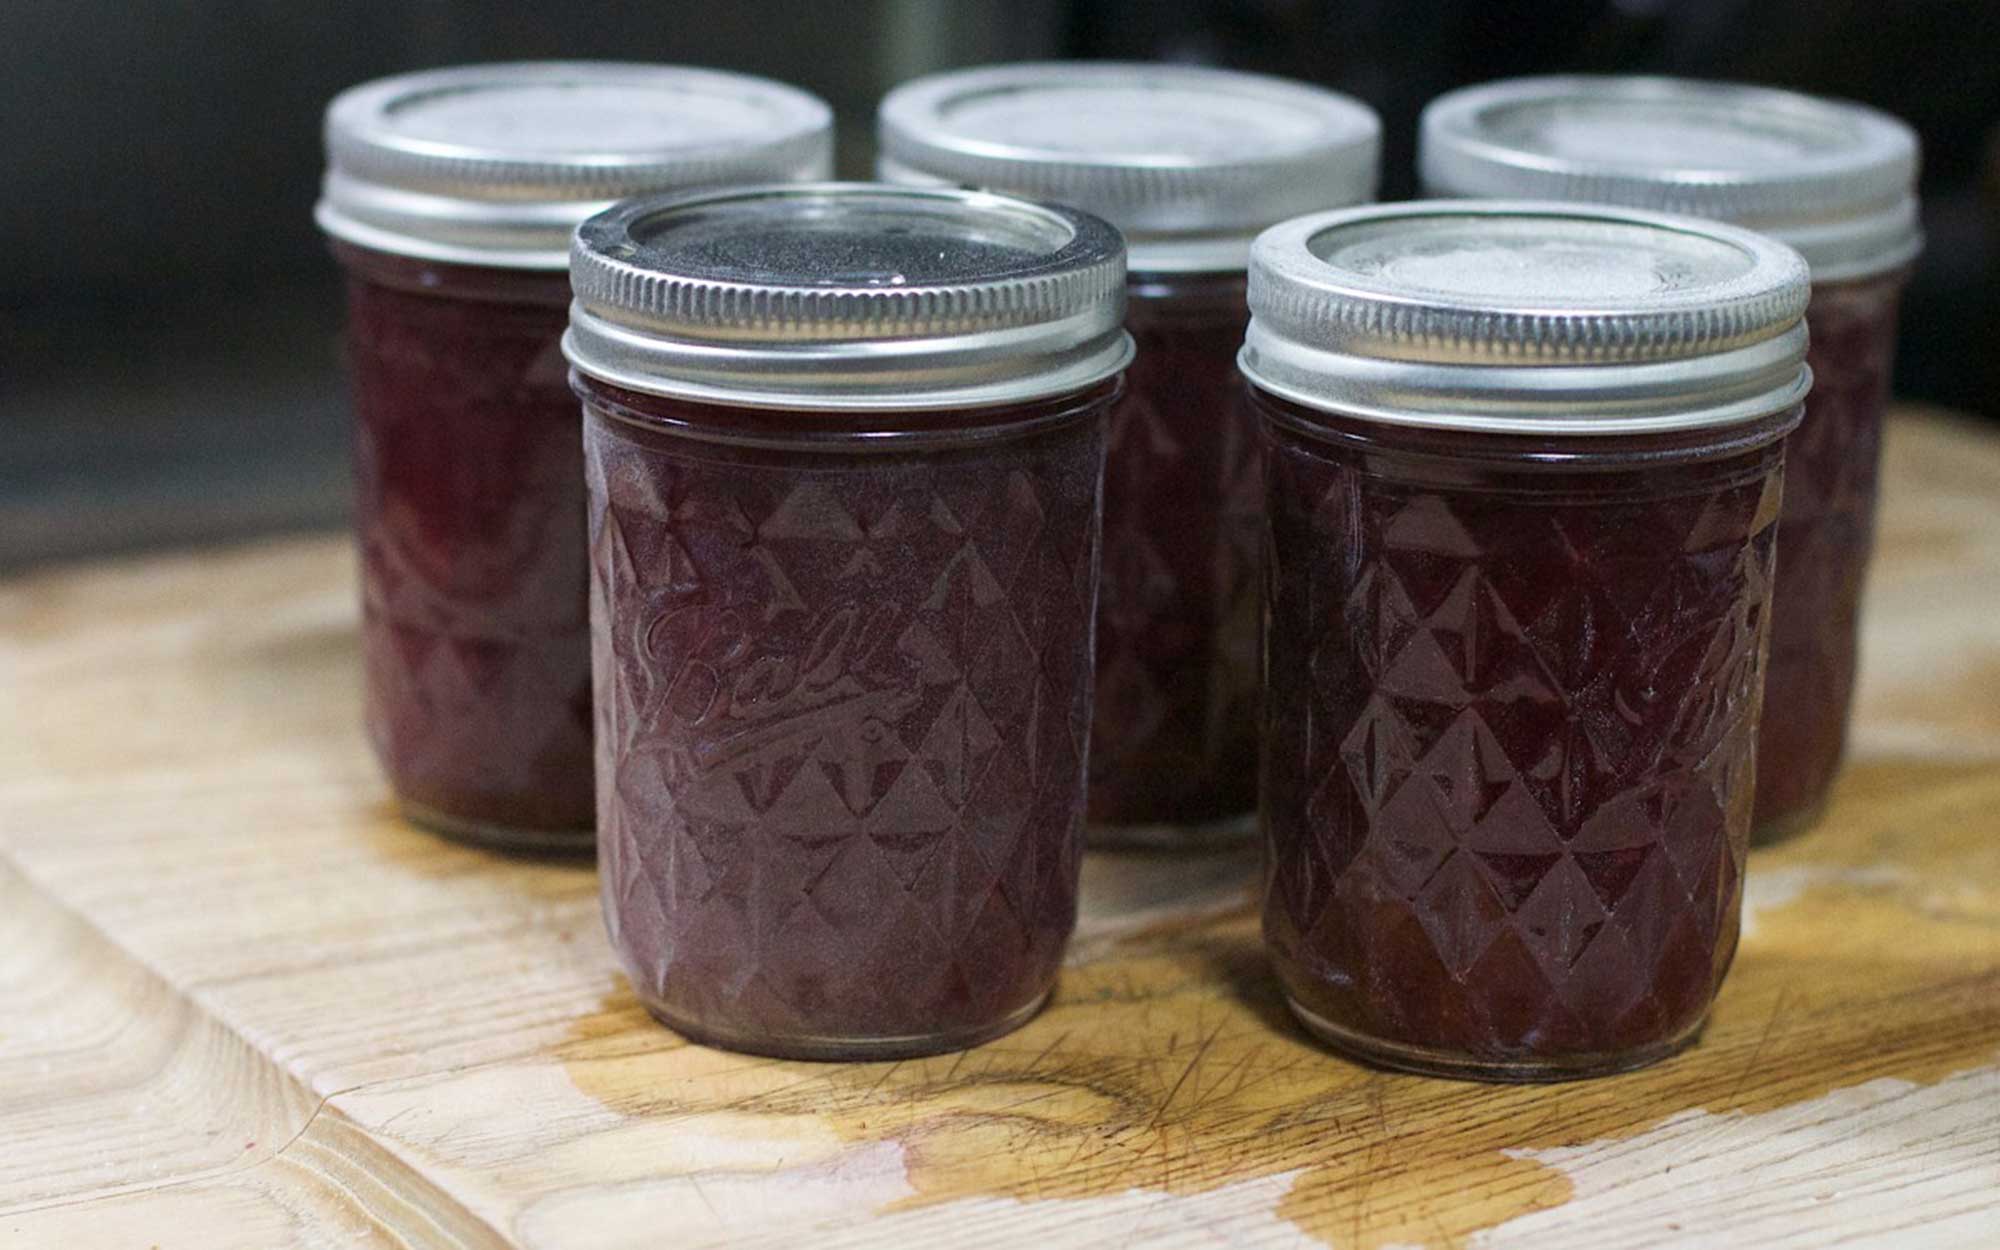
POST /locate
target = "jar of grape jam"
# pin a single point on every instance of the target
(1523, 470)
(1837, 182)
(1190, 164)
(844, 446)
(450, 197)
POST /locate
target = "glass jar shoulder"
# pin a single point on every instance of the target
(1555, 465)
(649, 417)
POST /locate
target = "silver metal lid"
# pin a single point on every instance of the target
(1528, 318)
(1189, 162)
(1837, 181)
(496, 164)
(848, 295)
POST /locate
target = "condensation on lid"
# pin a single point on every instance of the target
(1695, 135)
(496, 164)
(579, 119)
(1521, 262)
(1150, 121)
(1836, 180)
(1527, 317)
(1189, 162)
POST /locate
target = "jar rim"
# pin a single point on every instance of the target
(847, 296)
(496, 164)
(1832, 178)
(1527, 317)
(1190, 162)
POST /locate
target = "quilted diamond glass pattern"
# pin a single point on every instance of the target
(843, 706)
(469, 512)
(1510, 719)
(1825, 535)
(1174, 738)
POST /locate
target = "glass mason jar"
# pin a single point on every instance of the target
(1189, 163)
(1837, 182)
(1523, 474)
(450, 196)
(844, 447)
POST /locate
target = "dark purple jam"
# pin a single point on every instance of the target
(843, 693)
(469, 507)
(1825, 534)
(1509, 723)
(1174, 738)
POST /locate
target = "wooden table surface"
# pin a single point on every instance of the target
(242, 1005)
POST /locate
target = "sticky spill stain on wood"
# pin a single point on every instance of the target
(1175, 1075)
(1167, 1066)
(1410, 1189)
(1367, 1160)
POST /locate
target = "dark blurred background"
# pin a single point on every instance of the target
(168, 314)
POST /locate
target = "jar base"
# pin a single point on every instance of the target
(1428, 1061)
(495, 837)
(1791, 825)
(845, 1049)
(1223, 833)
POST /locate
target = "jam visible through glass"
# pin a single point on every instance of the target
(470, 511)
(843, 693)
(1825, 535)
(1174, 739)
(1510, 717)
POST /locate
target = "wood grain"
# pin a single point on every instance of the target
(242, 1005)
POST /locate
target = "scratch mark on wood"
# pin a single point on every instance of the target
(1193, 1062)
(884, 1078)
(1048, 1050)
(1763, 1042)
